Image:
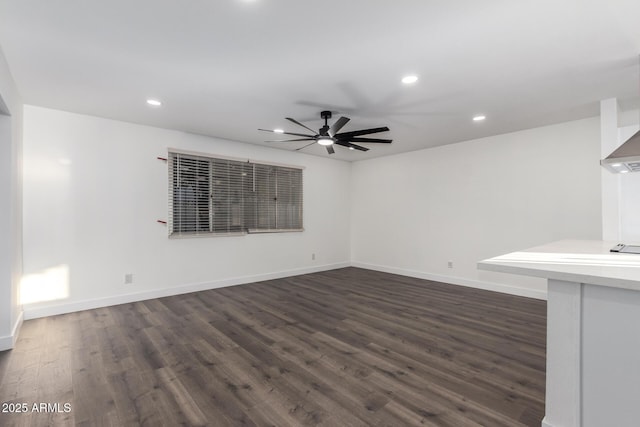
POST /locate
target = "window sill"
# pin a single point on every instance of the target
(283, 230)
(201, 235)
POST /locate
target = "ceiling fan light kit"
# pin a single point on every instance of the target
(327, 135)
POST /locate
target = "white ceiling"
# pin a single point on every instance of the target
(228, 67)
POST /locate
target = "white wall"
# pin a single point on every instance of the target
(414, 212)
(93, 190)
(10, 206)
(609, 182)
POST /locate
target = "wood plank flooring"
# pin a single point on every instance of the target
(347, 347)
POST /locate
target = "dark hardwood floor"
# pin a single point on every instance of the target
(347, 347)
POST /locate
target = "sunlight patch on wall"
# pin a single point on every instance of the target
(50, 285)
(48, 169)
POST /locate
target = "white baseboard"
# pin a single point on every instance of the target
(545, 423)
(37, 310)
(34, 311)
(8, 342)
(461, 281)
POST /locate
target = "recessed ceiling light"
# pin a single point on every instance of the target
(351, 148)
(479, 118)
(278, 131)
(409, 79)
(154, 102)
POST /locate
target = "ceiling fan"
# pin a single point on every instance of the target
(328, 135)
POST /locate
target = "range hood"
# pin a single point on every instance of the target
(625, 158)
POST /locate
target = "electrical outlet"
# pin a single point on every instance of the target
(313, 257)
(128, 278)
(450, 264)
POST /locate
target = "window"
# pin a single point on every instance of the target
(222, 196)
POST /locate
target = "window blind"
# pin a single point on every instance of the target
(209, 195)
(276, 202)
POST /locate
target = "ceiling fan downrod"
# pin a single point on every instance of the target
(326, 115)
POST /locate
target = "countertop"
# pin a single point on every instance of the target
(581, 261)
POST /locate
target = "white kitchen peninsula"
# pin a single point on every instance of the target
(593, 330)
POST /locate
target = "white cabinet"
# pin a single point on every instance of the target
(593, 330)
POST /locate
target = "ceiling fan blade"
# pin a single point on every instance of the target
(350, 145)
(330, 149)
(349, 135)
(288, 133)
(386, 141)
(298, 149)
(299, 124)
(292, 140)
(338, 125)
